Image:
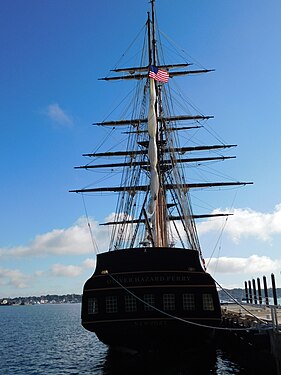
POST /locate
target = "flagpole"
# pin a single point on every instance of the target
(153, 33)
(149, 40)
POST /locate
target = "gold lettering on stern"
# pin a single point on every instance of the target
(148, 279)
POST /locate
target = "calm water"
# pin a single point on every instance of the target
(48, 339)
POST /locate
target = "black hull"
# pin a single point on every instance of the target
(157, 336)
(151, 299)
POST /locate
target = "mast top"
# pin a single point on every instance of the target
(153, 35)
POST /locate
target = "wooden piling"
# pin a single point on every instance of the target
(250, 292)
(274, 289)
(259, 291)
(246, 292)
(255, 291)
(265, 291)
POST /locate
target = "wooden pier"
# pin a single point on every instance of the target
(266, 319)
(250, 314)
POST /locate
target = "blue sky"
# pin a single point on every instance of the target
(53, 52)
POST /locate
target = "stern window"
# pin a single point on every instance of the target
(149, 298)
(93, 306)
(111, 304)
(130, 304)
(208, 303)
(169, 302)
(188, 301)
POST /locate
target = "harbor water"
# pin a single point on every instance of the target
(48, 339)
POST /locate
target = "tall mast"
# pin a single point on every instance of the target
(159, 222)
(153, 191)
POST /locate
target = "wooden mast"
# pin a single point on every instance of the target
(161, 231)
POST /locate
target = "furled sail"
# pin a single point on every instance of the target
(152, 155)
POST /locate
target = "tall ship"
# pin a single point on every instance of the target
(151, 290)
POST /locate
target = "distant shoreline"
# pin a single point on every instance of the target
(42, 300)
(237, 294)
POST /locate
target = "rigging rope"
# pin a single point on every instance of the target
(129, 47)
(175, 45)
(95, 246)
(222, 230)
(219, 238)
(108, 136)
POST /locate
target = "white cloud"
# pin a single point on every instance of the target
(246, 223)
(38, 273)
(71, 270)
(63, 270)
(75, 240)
(14, 278)
(17, 279)
(89, 263)
(252, 265)
(58, 115)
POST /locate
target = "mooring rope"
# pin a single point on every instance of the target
(242, 306)
(105, 272)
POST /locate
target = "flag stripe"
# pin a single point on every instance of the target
(158, 74)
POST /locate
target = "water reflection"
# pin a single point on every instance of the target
(226, 366)
(214, 361)
(247, 361)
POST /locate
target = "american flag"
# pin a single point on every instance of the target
(158, 74)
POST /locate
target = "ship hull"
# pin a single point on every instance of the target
(155, 336)
(151, 299)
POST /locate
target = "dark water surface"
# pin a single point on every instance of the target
(48, 339)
